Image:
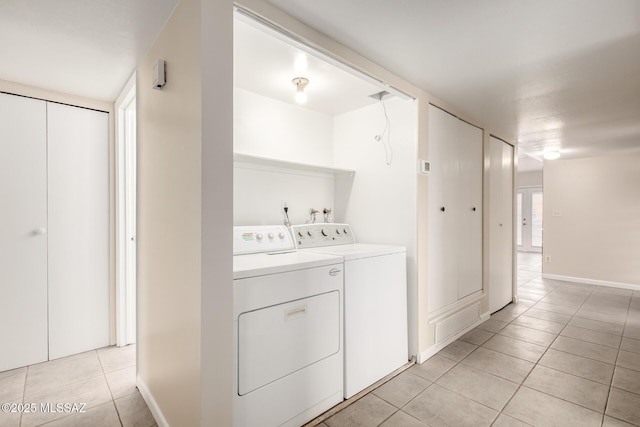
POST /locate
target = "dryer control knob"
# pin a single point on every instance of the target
(281, 235)
(270, 236)
(324, 232)
(259, 236)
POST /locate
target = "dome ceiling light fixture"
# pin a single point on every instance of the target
(551, 154)
(300, 83)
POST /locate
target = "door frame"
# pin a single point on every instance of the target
(126, 240)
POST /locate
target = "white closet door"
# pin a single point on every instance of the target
(23, 226)
(78, 229)
(469, 210)
(443, 154)
(501, 224)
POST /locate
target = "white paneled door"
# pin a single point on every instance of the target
(443, 215)
(23, 228)
(54, 230)
(469, 227)
(455, 209)
(78, 176)
(501, 251)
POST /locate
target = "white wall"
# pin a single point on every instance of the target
(216, 281)
(378, 194)
(184, 238)
(260, 190)
(529, 179)
(379, 201)
(270, 128)
(596, 236)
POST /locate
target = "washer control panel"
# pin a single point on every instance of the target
(318, 235)
(261, 238)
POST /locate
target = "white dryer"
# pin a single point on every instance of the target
(288, 326)
(375, 301)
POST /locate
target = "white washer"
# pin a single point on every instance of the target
(375, 302)
(288, 329)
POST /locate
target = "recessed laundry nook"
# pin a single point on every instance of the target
(324, 167)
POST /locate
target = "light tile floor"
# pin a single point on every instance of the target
(103, 379)
(566, 355)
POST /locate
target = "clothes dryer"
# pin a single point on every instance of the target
(288, 329)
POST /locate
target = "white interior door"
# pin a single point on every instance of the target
(23, 227)
(529, 217)
(78, 164)
(469, 207)
(126, 216)
(443, 153)
(501, 224)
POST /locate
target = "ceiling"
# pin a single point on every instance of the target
(548, 74)
(544, 73)
(265, 63)
(79, 47)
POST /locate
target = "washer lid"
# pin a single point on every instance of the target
(358, 250)
(279, 262)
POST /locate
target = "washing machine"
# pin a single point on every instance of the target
(288, 329)
(375, 301)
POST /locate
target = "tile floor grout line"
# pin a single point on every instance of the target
(609, 388)
(522, 384)
(537, 363)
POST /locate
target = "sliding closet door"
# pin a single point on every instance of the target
(78, 165)
(23, 226)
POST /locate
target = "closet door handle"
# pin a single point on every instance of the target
(473, 208)
(442, 209)
(40, 231)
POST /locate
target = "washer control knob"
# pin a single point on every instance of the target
(324, 232)
(337, 231)
(345, 231)
(309, 233)
(270, 236)
(259, 236)
(300, 233)
(281, 235)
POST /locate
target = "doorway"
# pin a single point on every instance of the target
(126, 216)
(529, 219)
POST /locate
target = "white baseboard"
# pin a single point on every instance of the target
(431, 351)
(151, 403)
(592, 282)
